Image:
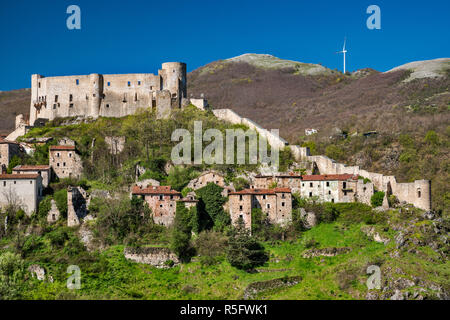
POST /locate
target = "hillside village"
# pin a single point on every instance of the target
(60, 163)
(332, 182)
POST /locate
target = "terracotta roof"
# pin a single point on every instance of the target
(31, 167)
(62, 148)
(262, 191)
(19, 176)
(154, 190)
(328, 177)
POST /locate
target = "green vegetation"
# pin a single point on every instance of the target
(377, 199)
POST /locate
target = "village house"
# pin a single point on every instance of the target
(8, 149)
(205, 178)
(189, 201)
(276, 203)
(65, 162)
(161, 200)
(43, 170)
(21, 191)
(326, 187)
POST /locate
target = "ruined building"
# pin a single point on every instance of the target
(161, 200)
(276, 203)
(114, 95)
(65, 162)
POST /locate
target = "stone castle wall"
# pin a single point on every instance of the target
(114, 95)
(417, 193)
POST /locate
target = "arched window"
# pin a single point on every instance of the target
(419, 193)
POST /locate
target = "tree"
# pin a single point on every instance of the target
(180, 241)
(377, 199)
(244, 252)
(11, 275)
(210, 206)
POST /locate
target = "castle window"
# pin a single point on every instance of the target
(129, 83)
(151, 87)
(240, 216)
(70, 97)
(282, 204)
(139, 83)
(77, 81)
(135, 97)
(268, 206)
(311, 184)
(160, 205)
(57, 164)
(240, 208)
(4, 183)
(56, 98)
(328, 183)
(345, 185)
(107, 105)
(310, 194)
(240, 197)
(15, 181)
(57, 154)
(329, 192)
(303, 184)
(64, 164)
(264, 197)
(109, 83)
(332, 200)
(71, 105)
(31, 182)
(171, 197)
(39, 84)
(161, 197)
(419, 194)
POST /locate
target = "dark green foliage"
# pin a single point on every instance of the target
(179, 177)
(210, 208)
(350, 213)
(211, 246)
(61, 201)
(44, 207)
(377, 199)
(180, 242)
(245, 252)
(240, 183)
(15, 161)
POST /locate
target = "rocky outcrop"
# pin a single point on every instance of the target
(309, 219)
(371, 232)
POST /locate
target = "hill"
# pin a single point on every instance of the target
(13, 103)
(403, 106)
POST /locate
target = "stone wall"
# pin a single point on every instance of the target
(77, 205)
(229, 115)
(114, 95)
(155, 256)
(417, 193)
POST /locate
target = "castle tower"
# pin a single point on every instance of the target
(174, 80)
(96, 92)
(422, 197)
(34, 97)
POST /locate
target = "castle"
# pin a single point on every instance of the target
(113, 95)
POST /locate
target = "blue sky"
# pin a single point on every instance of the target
(137, 35)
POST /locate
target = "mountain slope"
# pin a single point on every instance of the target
(13, 103)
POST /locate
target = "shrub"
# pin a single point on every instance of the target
(240, 183)
(12, 271)
(377, 199)
(210, 208)
(180, 241)
(210, 245)
(61, 201)
(245, 252)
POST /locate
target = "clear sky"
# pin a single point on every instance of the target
(135, 36)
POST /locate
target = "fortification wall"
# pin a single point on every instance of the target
(113, 95)
(417, 193)
(231, 116)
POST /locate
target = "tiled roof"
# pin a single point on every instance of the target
(31, 167)
(256, 191)
(19, 176)
(62, 148)
(154, 190)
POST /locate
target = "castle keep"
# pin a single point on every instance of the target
(114, 95)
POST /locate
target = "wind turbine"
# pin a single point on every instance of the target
(343, 51)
